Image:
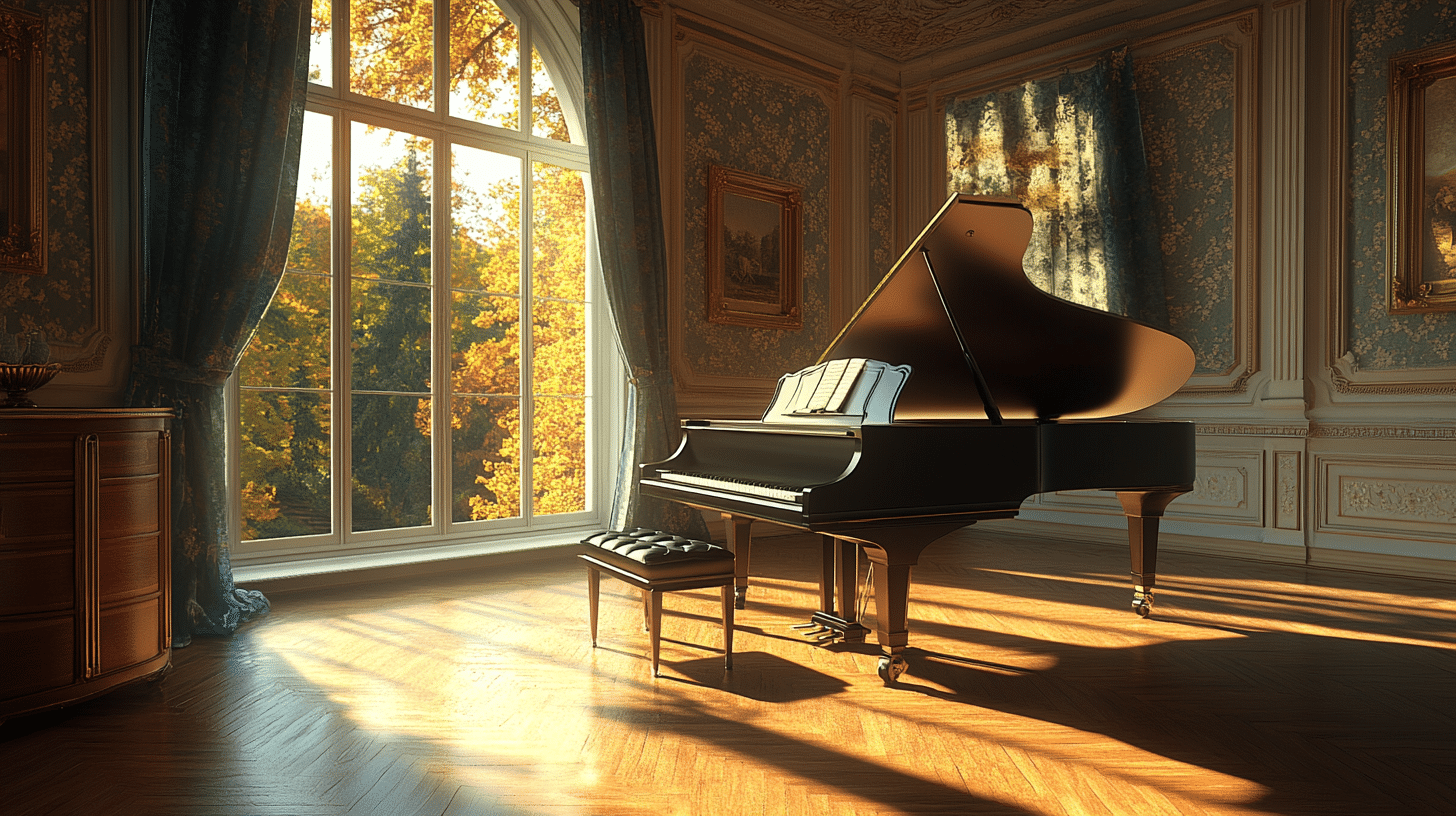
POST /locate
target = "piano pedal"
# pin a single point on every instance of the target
(829, 637)
(807, 625)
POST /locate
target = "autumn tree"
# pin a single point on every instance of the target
(286, 478)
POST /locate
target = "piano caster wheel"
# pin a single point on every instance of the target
(891, 668)
(740, 597)
(1142, 602)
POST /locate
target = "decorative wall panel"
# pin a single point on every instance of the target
(1228, 488)
(1389, 497)
(70, 302)
(1375, 340)
(763, 120)
(1288, 487)
(1197, 102)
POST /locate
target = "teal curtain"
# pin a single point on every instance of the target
(223, 105)
(628, 204)
(1071, 149)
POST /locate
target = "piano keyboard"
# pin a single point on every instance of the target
(768, 491)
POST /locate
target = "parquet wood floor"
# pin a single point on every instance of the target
(1032, 689)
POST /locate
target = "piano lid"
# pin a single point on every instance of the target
(1039, 357)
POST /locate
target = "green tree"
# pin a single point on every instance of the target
(285, 456)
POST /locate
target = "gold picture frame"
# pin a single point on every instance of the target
(22, 146)
(1422, 204)
(755, 258)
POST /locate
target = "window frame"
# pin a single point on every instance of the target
(605, 390)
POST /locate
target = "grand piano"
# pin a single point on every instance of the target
(956, 391)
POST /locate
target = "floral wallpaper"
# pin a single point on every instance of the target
(1186, 98)
(1378, 30)
(881, 228)
(739, 118)
(62, 302)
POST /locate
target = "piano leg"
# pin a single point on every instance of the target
(1143, 508)
(892, 551)
(740, 542)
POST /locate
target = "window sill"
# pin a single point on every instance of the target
(358, 568)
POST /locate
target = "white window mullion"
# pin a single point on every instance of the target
(341, 422)
(441, 392)
(528, 402)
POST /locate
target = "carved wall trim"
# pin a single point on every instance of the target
(1220, 487)
(1329, 431)
(1288, 484)
(1217, 429)
(1394, 497)
(1386, 499)
(1325, 430)
(1427, 382)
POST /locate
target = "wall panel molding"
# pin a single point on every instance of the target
(1382, 496)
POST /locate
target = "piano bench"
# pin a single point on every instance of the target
(658, 562)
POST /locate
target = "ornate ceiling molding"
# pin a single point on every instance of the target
(906, 29)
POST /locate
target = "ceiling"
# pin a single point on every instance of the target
(903, 30)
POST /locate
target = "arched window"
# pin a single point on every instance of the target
(426, 369)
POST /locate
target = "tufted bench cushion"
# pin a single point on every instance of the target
(657, 556)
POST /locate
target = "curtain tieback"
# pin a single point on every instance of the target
(148, 361)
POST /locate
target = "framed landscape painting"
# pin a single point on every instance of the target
(1422, 205)
(755, 275)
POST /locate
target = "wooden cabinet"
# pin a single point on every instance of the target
(85, 553)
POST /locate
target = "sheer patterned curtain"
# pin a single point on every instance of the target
(625, 194)
(224, 93)
(1070, 148)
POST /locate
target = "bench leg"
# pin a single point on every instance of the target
(728, 605)
(593, 591)
(654, 626)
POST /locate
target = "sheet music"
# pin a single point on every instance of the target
(848, 391)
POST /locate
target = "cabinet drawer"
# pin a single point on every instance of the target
(37, 581)
(127, 568)
(43, 512)
(39, 459)
(128, 507)
(128, 454)
(129, 634)
(40, 654)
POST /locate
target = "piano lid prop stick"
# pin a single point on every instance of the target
(982, 388)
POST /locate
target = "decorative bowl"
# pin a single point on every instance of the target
(17, 380)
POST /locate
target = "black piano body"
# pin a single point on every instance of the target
(1009, 397)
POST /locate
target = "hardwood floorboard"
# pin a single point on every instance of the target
(1032, 689)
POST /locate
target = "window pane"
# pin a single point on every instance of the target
(485, 344)
(485, 219)
(486, 452)
(284, 450)
(321, 44)
(547, 118)
(391, 336)
(291, 348)
(392, 51)
(558, 238)
(558, 347)
(391, 211)
(485, 64)
(391, 460)
(558, 473)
